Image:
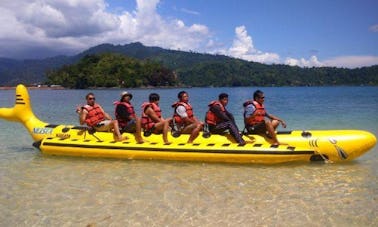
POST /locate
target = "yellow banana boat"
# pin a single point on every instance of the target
(71, 140)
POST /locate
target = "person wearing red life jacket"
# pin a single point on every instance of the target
(127, 119)
(184, 118)
(94, 116)
(152, 119)
(257, 120)
(219, 119)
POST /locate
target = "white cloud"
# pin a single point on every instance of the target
(42, 28)
(352, 61)
(341, 61)
(243, 48)
(189, 11)
(374, 28)
(71, 26)
(312, 62)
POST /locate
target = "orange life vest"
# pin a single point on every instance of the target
(211, 118)
(188, 108)
(259, 114)
(147, 122)
(129, 108)
(95, 115)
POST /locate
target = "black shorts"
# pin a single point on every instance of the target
(259, 128)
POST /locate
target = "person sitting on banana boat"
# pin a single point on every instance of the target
(127, 119)
(219, 119)
(152, 119)
(255, 117)
(94, 116)
(183, 117)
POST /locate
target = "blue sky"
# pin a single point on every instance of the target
(304, 33)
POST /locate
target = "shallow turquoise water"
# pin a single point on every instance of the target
(40, 190)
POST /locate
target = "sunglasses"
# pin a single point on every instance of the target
(263, 97)
(92, 98)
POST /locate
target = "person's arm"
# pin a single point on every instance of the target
(249, 111)
(107, 116)
(181, 111)
(272, 117)
(82, 115)
(151, 114)
(219, 113)
(229, 115)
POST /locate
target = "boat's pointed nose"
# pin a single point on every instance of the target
(371, 140)
(363, 142)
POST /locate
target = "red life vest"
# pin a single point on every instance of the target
(147, 122)
(211, 118)
(259, 113)
(129, 108)
(95, 115)
(188, 108)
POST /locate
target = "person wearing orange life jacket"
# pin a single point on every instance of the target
(255, 117)
(127, 119)
(219, 119)
(184, 118)
(94, 116)
(152, 120)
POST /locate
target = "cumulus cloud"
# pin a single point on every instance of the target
(72, 26)
(243, 48)
(52, 26)
(312, 62)
(44, 28)
(374, 28)
(352, 61)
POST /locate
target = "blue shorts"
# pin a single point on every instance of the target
(130, 127)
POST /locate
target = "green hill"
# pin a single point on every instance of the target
(190, 69)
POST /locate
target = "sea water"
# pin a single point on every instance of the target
(42, 190)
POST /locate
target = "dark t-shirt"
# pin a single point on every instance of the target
(122, 112)
(224, 116)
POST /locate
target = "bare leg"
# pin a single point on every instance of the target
(116, 134)
(138, 135)
(195, 133)
(271, 131)
(275, 124)
(163, 126)
(165, 132)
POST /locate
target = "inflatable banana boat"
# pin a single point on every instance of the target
(71, 140)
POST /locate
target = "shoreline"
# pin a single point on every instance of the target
(34, 87)
(58, 87)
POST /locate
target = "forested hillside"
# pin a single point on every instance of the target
(112, 70)
(189, 69)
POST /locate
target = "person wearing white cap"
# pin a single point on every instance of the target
(127, 119)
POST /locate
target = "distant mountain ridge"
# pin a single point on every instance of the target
(192, 68)
(31, 71)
